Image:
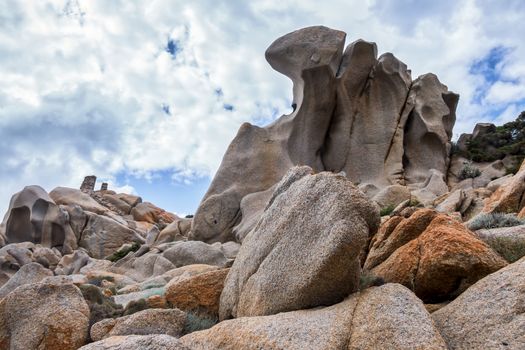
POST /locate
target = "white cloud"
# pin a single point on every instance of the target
(84, 82)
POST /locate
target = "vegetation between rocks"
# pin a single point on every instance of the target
(196, 321)
(119, 254)
(387, 210)
(494, 220)
(469, 171)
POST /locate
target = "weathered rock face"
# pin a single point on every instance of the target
(432, 254)
(353, 112)
(30, 273)
(34, 217)
(150, 342)
(201, 292)
(102, 236)
(44, 316)
(71, 196)
(488, 315)
(360, 322)
(146, 322)
(304, 252)
(508, 198)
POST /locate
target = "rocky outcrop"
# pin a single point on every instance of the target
(150, 342)
(146, 322)
(360, 322)
(44, 316)
(304, 252)
(30, 273)
(508, 198)
(340, 99)
(432, 254)
(488, 315)
(148, 212)
(34, 217)
(103, 236)
(197, 293)
(195, 252)
(71, 196)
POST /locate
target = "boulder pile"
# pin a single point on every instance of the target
(351, 223)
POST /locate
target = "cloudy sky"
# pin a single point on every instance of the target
(148, 94)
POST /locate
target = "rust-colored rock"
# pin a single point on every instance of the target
(396, 232)
(439, 263)
(200, 292)
(148, 212)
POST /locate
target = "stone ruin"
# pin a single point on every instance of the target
(354, 112)
(88, 185)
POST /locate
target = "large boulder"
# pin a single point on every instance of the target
(195, 252)
(44, 316)
(508, 198)
(146, 342)
(103, 236)
(145, 322)
(148, 212)
(354, 112)
(304, 252)
(488, 315)
(386, 317)
(30, 273)
(432, 254)
(33, 216)
(201, 292)
(72, 197)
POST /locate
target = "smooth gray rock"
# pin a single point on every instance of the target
(195, 252)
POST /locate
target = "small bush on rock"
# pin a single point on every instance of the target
(119, 254)
(494, 220)
(469, 171)
(196, 321)
(135, 306)
(100, 306)
(386, 210)
(368, 279)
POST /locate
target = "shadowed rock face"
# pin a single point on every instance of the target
(34, 217)
(354, 112)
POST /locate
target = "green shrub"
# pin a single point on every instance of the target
(494, 220)
(119, 254)
(100, 306)
(469, 171)
(507, 139)
(196, 321)
(510, 248)
(387, 210)
(135, 306)
(368, 279)
(97, 281)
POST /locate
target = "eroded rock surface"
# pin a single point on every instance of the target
(353, 113)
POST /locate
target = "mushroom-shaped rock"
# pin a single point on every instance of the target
(353, 113)
(304, 252)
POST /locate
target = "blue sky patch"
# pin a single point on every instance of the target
(173, 48)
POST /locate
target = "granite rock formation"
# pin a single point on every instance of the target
(354, 112)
